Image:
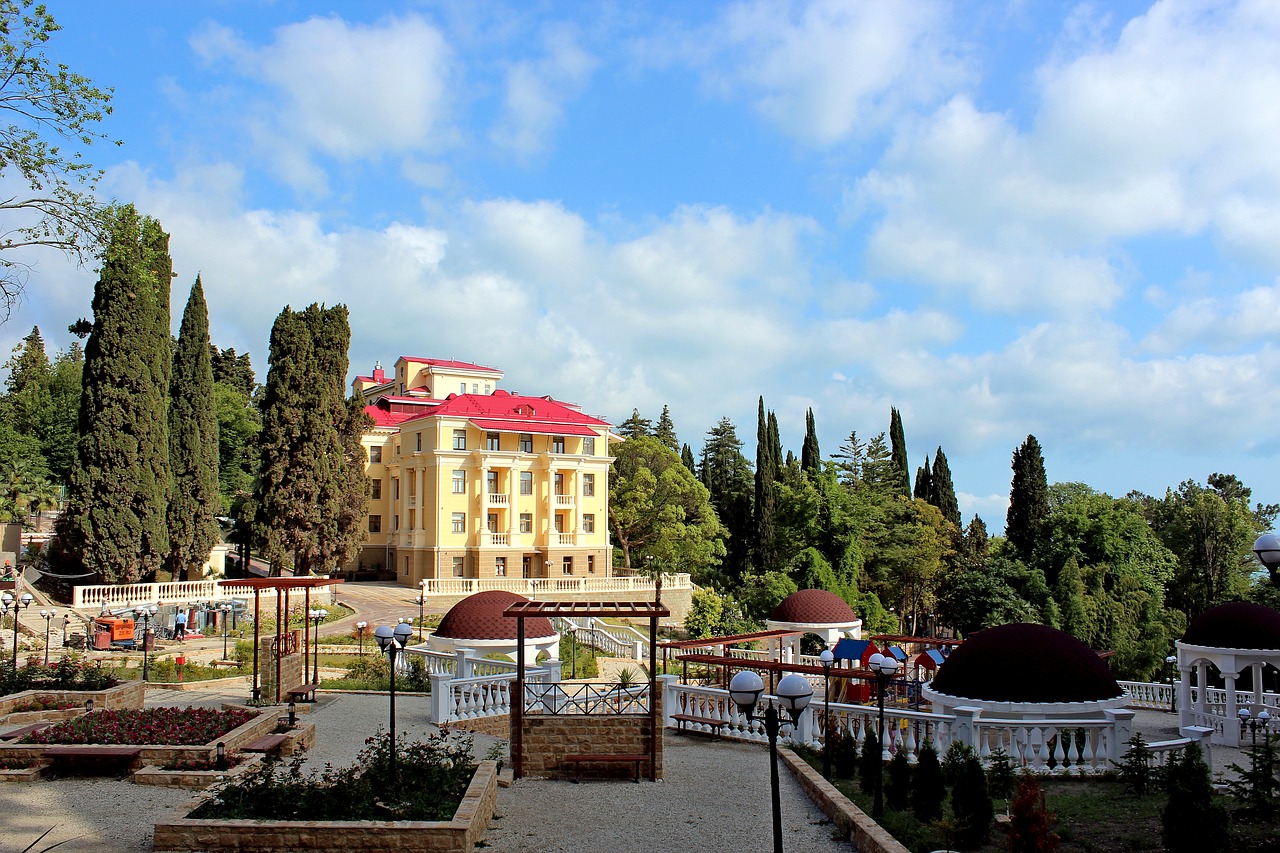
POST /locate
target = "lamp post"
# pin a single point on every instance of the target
(826, 657)
(884, 666)
(8, 603)
(1248, 721)
(1172, 661)
(391, 642)
(360, 626)
(145, 613)
(794, 692)
(318, 616)
(1267, 549)
(224, 616)
(48, 617)
(422, 608)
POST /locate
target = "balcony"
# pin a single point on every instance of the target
(565, 500)
(564, 539)
(488, 539)
(496, 499)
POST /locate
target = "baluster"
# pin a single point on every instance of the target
(984, 745)
(911, 744)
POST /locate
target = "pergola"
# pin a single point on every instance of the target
(521, 610)
(282, 587)
(723, 643)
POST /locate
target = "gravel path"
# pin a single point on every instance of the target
(715, 797)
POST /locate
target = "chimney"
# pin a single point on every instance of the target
(378, 375)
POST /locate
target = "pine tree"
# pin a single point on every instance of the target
(686, 456)
(193, 445)
(29, 363)
(1028, 500)
(972, 553)
(810, 457)
(923, 485)
(114, 522)
(665, 431)
(1191, 821)
(765, 506)
(897, 788)
(898, 443)
(927, 788)
(870, 762)
(942, 492)
(728, 477)
(849, 459)
(878, 470)
(1072, 607)
(971, 804)
(635, 426)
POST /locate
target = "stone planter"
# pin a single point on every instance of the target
(30, 774)
(181, 834)
(22, 718)
(191, 778)
(128, 694)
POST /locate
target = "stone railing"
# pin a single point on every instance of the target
(466, 687)
(1042, 746)
(614, 640)
(1153, 696)
(536, 586)
(120, 596)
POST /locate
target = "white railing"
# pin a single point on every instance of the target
(614, 640)
(174, 592)
(564, 538)
(535, 586)
(498, 500)
(496, 538)
(1042, 746)
(565, 500)
(482, 696)
(1142, 694)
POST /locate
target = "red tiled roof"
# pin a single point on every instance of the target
(532, 427)
(815, 606)
(1235, 625)
(479, 617)
(448, 363)
(517, 409)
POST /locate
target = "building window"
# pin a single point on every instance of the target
(475, 388)
(405, 571)
(500, 567)
(588, 485)
(418, 439)
(492, 522)
(559, 481)
(413, 519)
(589, 523)
(459, 482)
(526, 482)
(459, 522)
(526, 522)
(375, 524)
(491, 441)
(395, 488)
(591, 564)
(557, 444)
(526, 443)
(486, 387)
(459, 567)
(559, 522)
(589, 446)
(567, 566)
(462, 387)
(375, 454)
(491, 481)
(375, 489)
(459, 439)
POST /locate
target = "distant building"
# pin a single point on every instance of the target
(470, 481)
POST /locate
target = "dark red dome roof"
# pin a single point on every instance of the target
(479, 617)
(1025, 663)
(1235, 625)
(813, 605)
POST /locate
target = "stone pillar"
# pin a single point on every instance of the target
(1231, 730)
(1204, 736)
(802, 731)
(637, 650)
(1184, 697)
(552, 666)
(666, 688)
(464, 664)
(964, 729)
(1202, 672)
(441, 696)
(1121, 731)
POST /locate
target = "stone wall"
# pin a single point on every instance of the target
(548, 738)
(496, 726)
(291, 674)
(865, 834)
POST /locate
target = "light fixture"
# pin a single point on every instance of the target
(825, 657)
(884, 667)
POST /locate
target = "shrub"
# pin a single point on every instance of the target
(1257, 786)
(1191, 820)
(70, 672)
(1136, 771)
(187, 726)
(897, 789)
(870, 764)
(957, 754)
(1001, 779)
(844, 753)
(971, 803)
(417, 678)
(927, 789)
(1030, 823)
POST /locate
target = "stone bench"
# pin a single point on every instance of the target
(633, 758)
(93, 760)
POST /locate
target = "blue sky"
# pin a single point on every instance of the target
(1002, 218)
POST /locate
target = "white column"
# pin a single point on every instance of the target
(441, 696)
(667, 684)
(1202, 671)
(464, 665)
(1232, 729)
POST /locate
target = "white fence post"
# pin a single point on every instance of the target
(1121, 732)
(464, 664)
(552, 666)
(667, 684)
(1204, 735)
(965, 728)
(441, 696)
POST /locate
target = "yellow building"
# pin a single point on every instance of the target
(471, 481)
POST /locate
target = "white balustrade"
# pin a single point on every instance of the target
(533, 586)
(174, 592)
(498, 500)
(622, 641)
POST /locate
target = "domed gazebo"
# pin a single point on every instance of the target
(476, 622)
(813, 611)
(1232, 637)
(1024, 671)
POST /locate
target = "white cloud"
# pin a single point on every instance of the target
(536, 91)
(1220, 322)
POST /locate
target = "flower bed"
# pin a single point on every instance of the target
(129, 694)
(175, 726)
(194, 774)
(68, 673)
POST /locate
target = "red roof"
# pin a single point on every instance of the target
(813, 606)
(520, 413)
(449, 363)
(532, 427)
(480, 617)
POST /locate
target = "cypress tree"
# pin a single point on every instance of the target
(728, 477)
(157, 274)
(114, 522)
(1070, 594)
(924, 486)
(898, 445)
(765, 506)
(810, 458)
(942, 493)
(1028, 499)
(193, 445)
(686, 456)
(775, 447)
(665, 431)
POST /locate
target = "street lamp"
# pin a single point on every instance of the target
(1252, 723)
(318, 616)
(391, 642)
(422, 608)
(48, 616)
(224, 615)
(1267, 549)
(7, 603)
(145, 613)
(794, 692)
(1172, 661)
(360, 626)
(884, 666)
(826, 657)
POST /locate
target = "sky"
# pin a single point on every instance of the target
(1003, 218)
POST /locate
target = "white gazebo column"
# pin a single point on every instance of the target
(1183, 703)
(1257, 682)
(1202, 673)
(1231, 731)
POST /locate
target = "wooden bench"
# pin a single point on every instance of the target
(598, 758)
(18, 734)
(230, 664)
(266, 743)
(93, 760)
(305, 692)
(682, 720)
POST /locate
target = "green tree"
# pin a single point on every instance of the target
(658, 509)
(897, 787)
(56, 423)
(906, 559)
(1192, 819)
(878, 469)
(114, 523)
(942, 492)
(665, 431)
(810, 456)
(927, 789)
(730, 483)
(49, 199)
(686, 458)
(234, 371)
(765, 505)
(1028, 500)
(971, 804)
(849, 459)
(28, 364)
(1072, 605)
(635, 426)
(922, 486)
(898, 448)
(239, 423)
(193, 445)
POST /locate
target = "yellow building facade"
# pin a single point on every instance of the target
(472, 481)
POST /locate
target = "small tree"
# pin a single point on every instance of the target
(1136, 771)
(844, 754)
(897, 789)
(1257, 786)
(1191, 820)
(1030, 823)
(957, 754)
(971, 803)
(927, 788)
(869, 763)
(1001, 779)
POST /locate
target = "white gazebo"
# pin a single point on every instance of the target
(813, 611)
(477, 623)
(1234, 638)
